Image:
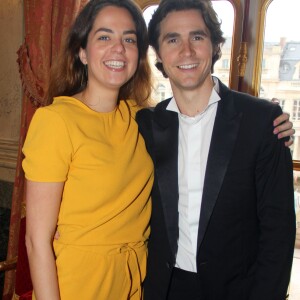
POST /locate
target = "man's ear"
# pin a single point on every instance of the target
(83, 56)
(216, 50)
(158, 59)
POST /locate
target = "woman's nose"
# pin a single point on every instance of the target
(119, 46)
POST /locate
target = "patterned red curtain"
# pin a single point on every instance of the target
(46, 26)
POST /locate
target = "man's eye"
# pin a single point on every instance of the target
(198, 38)
(172, 41)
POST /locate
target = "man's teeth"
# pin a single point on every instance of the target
(188, 66)
(115, 64)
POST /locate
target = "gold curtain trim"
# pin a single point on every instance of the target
(15, 296)
(8, 264)
(32, 88)
(23, 210)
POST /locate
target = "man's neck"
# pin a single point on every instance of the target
(193, 102)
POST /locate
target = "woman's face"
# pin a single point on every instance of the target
(111, 52)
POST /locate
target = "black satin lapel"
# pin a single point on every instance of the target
(165, 134)
(222, 144)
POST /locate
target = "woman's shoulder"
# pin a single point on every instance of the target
(61, 105)
(57, 112)
(63, 101)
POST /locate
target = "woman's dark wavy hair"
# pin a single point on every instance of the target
(209, 16)
(68, 74)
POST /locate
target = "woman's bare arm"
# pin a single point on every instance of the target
(42, 206)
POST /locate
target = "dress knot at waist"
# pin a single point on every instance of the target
(131, 246)
(104, 249)
(132, 259)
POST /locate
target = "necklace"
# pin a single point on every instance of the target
(89, 104)
(99, 106)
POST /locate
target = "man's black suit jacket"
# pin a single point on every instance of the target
(247, 222)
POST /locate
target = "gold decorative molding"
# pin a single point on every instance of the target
(260, 47)
(146, 3)
(236, 40)
(8, 153)
(242, 59)
(296, 165)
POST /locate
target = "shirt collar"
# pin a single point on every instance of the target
(214, 97)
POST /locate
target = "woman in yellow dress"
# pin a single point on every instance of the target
(88, 173)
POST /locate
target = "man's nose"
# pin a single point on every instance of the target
(187, 49)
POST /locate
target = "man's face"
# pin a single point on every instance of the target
(185, 50)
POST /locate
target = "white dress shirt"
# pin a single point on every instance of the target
(194, 142)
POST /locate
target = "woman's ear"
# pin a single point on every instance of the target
(83, 56)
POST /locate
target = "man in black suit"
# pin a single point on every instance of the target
(223, 221)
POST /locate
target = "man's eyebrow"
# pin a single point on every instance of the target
(129, 31)
(170, 35)
(199, 32)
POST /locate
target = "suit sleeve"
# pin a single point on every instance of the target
(143, 119)
(276, 216)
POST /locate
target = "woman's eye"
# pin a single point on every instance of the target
(103, 38)
(130, 40)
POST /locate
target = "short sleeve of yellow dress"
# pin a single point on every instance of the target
(105, 210)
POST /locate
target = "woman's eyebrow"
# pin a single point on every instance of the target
(129, 31)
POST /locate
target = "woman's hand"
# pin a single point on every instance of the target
(284, 128)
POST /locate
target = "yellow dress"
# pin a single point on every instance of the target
(105, 210)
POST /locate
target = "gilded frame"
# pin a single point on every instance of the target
(260, 46)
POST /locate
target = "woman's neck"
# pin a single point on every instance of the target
(100, 100)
